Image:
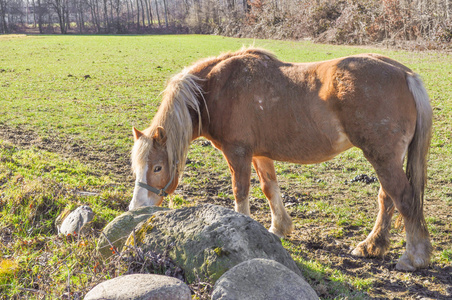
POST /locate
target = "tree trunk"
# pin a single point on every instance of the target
(112, 19)
(81, 17)
(166, 13)
(82, 21)
(106, 21)
(34, 14)
(27, 9)
(138, 15)
(67, 21)
(150, 12)
(60, 10)
(198, 12)
(3, 24)
(157, 12)
(40, 17)
(147, 12)
(118, 19)
(94, 5)
(128, 13)
(143, 13)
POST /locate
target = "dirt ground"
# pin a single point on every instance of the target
(432, 283)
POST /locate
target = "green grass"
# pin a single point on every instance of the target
(328, 280)
(36, 186)
(446, 255)
(91, 90)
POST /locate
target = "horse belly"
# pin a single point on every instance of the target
(307, 145)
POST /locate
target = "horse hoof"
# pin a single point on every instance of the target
(369, 249)
(363, 250)
(407, 264)
(421, 263)
(282, 228)
(404, 264)
(276, 232)
(358, 251)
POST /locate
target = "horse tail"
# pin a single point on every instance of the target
(416, 167)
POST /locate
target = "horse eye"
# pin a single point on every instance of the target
(157, 169)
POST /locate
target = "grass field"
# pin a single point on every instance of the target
(67, 105)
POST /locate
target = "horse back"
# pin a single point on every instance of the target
(307, 112)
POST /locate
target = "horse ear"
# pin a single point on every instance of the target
(160, 135)
(136, 133)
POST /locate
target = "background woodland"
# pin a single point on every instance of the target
(428, 23)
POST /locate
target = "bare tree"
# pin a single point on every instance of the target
(143, 13)
(60, 7)
(95, 15)
(157, 12)
(106, 20)
(356, 21)
(148, 13)
(138, 15)
(3, 24)
(166, 13)
(39, 11)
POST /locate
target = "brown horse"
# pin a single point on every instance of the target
(257, 109)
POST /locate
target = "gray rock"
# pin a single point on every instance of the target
(208, 240)
(76, 221)
(120, 228)
(264, 279)
(140, 287)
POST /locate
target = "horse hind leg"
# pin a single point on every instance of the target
(395, 184)
(377, 242)
(281, 221)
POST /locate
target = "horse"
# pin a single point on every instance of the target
(257, 109)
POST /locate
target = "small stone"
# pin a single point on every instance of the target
(76, 222)
(140, 287)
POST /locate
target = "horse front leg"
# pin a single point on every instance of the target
(239, 162)
(281, 221)
(377, 242)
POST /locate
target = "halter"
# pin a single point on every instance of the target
(161, 192)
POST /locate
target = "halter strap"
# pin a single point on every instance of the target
(161, 192)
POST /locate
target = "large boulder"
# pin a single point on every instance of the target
(261, 279)
(117, 231)
(208, 240)
(140, 287)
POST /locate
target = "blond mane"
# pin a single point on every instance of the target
(173, 115)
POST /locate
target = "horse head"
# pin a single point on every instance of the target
(155, 178)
